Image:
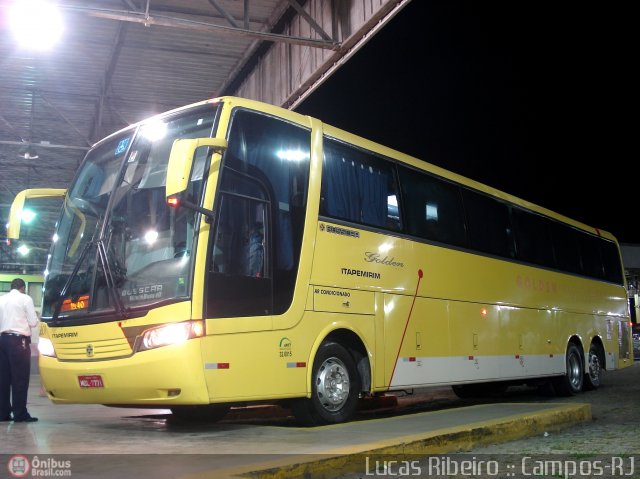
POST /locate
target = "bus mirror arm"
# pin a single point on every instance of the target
(177, 201)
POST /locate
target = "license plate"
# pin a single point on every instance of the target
(93, 381)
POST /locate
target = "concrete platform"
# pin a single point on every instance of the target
(261, 442)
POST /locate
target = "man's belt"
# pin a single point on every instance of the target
(9, 333)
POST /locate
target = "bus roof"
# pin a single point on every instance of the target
(385, 151)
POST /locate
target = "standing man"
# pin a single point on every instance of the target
(17, 317)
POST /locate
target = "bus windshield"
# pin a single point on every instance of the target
(118, 245)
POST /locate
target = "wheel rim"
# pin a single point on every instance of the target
(575, 371)
(332, 384)
(594, 368)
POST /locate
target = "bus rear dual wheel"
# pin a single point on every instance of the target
(577, 379)
(593, 375)
(335, 388)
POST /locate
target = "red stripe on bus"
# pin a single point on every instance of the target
(420, 275)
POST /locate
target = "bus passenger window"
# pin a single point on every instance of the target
(565, 246)
(590, 256)
(359, 187)
(489, 224)
(611, 260)
(434, 209)
(533, 238)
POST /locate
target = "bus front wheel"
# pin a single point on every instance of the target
(571, 383)
(334, 390)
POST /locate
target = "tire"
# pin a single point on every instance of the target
(571, 383)
(334, 390)
(200, 414)
(593, 375)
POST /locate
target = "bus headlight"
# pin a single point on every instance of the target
(45, 347)
(170, 334)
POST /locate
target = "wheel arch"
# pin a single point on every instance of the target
(571, 382)
(597, 341)
(354, 344)
(577, 340)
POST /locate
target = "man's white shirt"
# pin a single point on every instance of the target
(17, 313)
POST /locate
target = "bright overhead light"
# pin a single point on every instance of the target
(28, 216)
(151, 236)
(292, 155)
(36, 24)
(23, 250)
(154, 130)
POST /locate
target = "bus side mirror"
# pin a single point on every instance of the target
(181, 161)
(17, 207)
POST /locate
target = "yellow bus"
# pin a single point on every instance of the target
(232, 252)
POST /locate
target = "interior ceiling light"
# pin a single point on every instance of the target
(28, 154)
(36, 24)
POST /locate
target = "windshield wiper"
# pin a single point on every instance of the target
(67, 284)
(111, 286)
(109, 276)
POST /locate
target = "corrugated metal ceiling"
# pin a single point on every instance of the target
(106, 73)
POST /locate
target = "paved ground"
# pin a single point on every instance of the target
(614, 432)
(615, 408)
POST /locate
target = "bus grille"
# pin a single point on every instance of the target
(93, 350)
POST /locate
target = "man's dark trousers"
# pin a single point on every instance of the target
(15, 371)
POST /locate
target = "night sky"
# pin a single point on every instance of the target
(523, 96)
